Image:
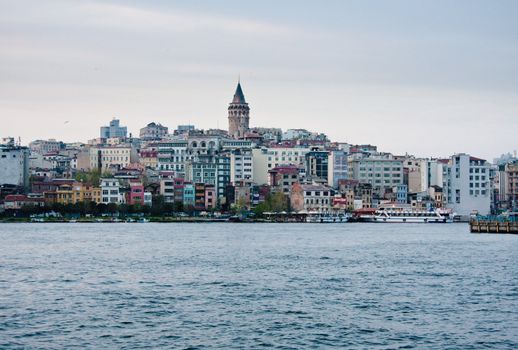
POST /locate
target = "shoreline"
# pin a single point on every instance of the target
(195, 221)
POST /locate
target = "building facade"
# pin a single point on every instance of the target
(466, 185)
(14, 165)
(511, 174)
(153, 131)
(114, 130)
(311, 197)
(111, 191)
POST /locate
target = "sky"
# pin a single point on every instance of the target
(429, 78)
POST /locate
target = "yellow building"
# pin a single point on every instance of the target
(149, 159)
(77, 192)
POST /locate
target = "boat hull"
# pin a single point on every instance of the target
(327, 219)
(409, 220)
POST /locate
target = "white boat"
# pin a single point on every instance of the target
(327, 217)
(405, 214)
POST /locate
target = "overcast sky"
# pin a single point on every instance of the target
(430, 78)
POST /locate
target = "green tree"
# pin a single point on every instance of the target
(275, 202)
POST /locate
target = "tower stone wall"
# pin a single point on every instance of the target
(238, 115)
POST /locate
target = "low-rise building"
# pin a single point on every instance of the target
(46, 146)
(111, 191)
(136, 193)
(153, 131)
(112, 158)
(148, 159)
(188, 195)
(283, 177)
(311, 197)
(210, 197)
(67, 192)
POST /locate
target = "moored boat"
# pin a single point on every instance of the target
(397, 213)
(327, 217)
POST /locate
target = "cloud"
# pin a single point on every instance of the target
(133, 18)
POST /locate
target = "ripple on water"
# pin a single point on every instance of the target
(256, 286)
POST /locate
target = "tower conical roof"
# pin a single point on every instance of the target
(239, 97)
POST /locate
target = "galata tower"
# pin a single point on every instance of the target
(238, 114)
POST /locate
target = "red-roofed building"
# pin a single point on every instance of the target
(283, 177)
(17, 201)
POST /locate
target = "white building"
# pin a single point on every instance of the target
(265, 159)
(38, 161)
(431, 173)
(148, 199)
(111, 192)
(45, 146)
(112, 157)
(241, 166)
(172, 156)
(14, 165)
(302, 134)
(466, 185)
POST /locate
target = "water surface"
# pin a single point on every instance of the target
(286, 286)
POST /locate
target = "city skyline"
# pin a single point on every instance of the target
(352, 71)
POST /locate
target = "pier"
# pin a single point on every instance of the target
(494, 224)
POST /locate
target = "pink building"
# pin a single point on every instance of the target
(136, 193)
(210, 197)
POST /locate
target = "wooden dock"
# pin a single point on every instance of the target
(493, 226)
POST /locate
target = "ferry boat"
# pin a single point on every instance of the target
(405, 214)
(327, 217)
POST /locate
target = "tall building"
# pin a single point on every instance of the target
(338, 167)
(241, 166)
(14, 165)
(511, 172)
(114, 130)
(238, 115)
(466, 185)
(317, 165)
(380, 170)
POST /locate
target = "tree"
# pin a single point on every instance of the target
(275, 202)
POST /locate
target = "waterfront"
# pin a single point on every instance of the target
(256, 285)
